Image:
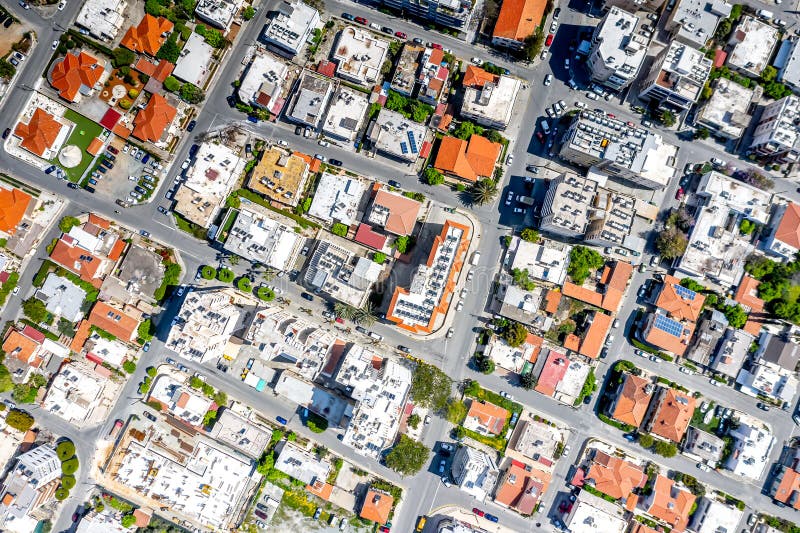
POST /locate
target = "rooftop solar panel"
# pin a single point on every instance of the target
(668, 325)
(685, 293)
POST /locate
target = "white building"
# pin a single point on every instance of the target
(218, 13)
(789, 71)
(618, 49)
(301, 464)
(181, 400)
(492, 104)
(310, 99)
(341, 273)
(713, 516)
(694, 22)
(204, 324)
(611, 220)
(784, 238)
(777, 135)
(396, 136)
(546, 261)
(338, 198)
(591, 513)
(62, 297)
(102, 350)
(677, 76)
(379, 386)
(260, 239)
(359, 55)
(753, 42)
(194, 61)
(768, 380)
(716, 249)
(27, 487)
(264, 83)
(290, 27)
(731, 352)
(346, 114)
(751, 449)
(209, 180)
(565, 209)
(726, 113)
(102, 18)
(76, 394)
(612, 147)
(474, 471)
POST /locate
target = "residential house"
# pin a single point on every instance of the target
(632, 400)
(470, 160)
(521, 487)
(394, 212)
(474, 471)
(377, 506)
(672, 413)
(516, 22)
(669, 503)
(154, 121)
(486, 418)
(76, 75)
(148, 35)
(614, 477)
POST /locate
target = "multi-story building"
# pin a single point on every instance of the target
(398, 137)
(259, 238)
(694, 22)
(611, 219)
(310, 99)
(621, 151)
(359, 55)
(405, 72)
(31, 483)
(566, 204)
(517, 21)
(727, 112)
(618, 49)
(474, 471)
(677, 77)
(341, 273)
(290, 27)
(433, 75)
(204, 325)
(264, 83)
(784, 238)
(103, 19)
(218, 13)
(488, 98)
(346, 114)
(789, 70)
(753, 42)
(777, 135)
(454, 14)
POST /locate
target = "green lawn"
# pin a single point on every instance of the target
(793, 294)
(84, 132)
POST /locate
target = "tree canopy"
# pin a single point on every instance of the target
(515, 334)
(582, 262)
(430, 387)
(407, 457)
(671, 243)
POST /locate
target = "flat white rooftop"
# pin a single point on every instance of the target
(359, 55)
(337, 198)
(345, 114)
(259, 238)
(195, 59)
(546, 261)
(619, 46)
(755, 41)
(264, 82)
(398, 136)
(103, 18)
(726, 110)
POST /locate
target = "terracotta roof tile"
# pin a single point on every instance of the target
(147, 36)
(521, 489)
(788, 489)
(632, 400)
(747, 294)
(613, 476)
(377, 506)
(114, 321)
(615, 278)
(321, 489)
(40, 133)
(95, 146)
(77, 260)
(81, 334)
(670, 503)
(487, 415)
(552, 373)
(679, 302)
(518, 19)
(665, 340)
(99, 221)
(13, 205)
(150, 122)
(367, 236)
(673, 415)
(553, 298)
(468, 160)
(20, 346)
(75, 73)
(595, 336)
(403, 212)
(788, 230)
(477, 77)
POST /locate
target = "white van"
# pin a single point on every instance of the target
(476, 257)
(764, 14)
(545, 127)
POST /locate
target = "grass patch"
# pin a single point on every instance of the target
(190, 227)
(474, 390)
(619, 425)
(257, 199)
(230, 219)
(496, 442)
(82, 135)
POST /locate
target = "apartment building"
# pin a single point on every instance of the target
(618, 49)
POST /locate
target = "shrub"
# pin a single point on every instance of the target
(339, 229)
(19, 420)
(70, 466)
(646, 441)
(67, 223)
(665, 449)
(248, 13)
(65, 449)
(172, 84)
(151, 371)
(125, 103)
(128, 520)
(129, 367)
(133, 93)
(208, 272)
(379, 257)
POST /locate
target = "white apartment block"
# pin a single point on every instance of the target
(777, 135)
(694, 22)
(359, 55)
(260, 239)
(493, 104)
(618, 49)
(474, 471)
(102, 18)
(726, 113)
(753, 42)
(204, 325)
(290, 27)
(677, 76)
(264, 82)
(565, 209)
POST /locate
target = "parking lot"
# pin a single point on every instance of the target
(128, 162)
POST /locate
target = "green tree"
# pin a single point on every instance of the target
(225, 275)
(365, 316)
(456, 411)
(483, 191)
(67, 223)
(527, 380)
(769, 74)
(19, 420)
(221, 398)
(433, 176)
(515, 334)
(265, 463)
(484, 364)
(145, 330)
(396, 102)
(529, 235)
(646, 441)
(122, 57)
(420, 112)
(464, 130)
(665, 449)
(6, 384)
(129, 366)
(248, 13)
(170, 50)
(265, 294)
(582, 262)
(7, 70)
(127, 520)
(671, 243)
(172, 84)
(244, 284)
(746, 227)
(209, 418)
(402, 243)
(414, 420)
(430, 387)
(61, 494)
(214, 38)
(533, 45)
(407, 457)
(522, 279)
(192, 94)
(24, 393)
(735, 315)
(339, 229)
(342, 310)
(208, 272)
(68, 482)
(379, 257)
(65, 449)
(667, 118)
(35, 310)
(701, 133)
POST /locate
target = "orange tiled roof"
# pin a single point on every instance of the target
(632, 401)
(99, 221)
(536, 342)
(788, 487)
(95, 146)
(114, 321)
(615, 278)
(553, 298)
(150, 122)
(521, 489)
(77, 260)
(747, 294)
(75, 72)
(670, 503)
(676, 344)
(595, 336)
(13, 205)
(116, 250)
(403, 212)
(674, 415)
(613, 476)
(81, 334)
(467, 160)
(314, 164)
(518, 19)
(638, 527)
(572, 342)
(321, 489)
(753, 326)
(488, 415)
(679, 303)
(376, 506)
(477, 77)
(159, 71)
(148, 35)
(39, 134)
(788, 230)
(20, 346)
(555, 367)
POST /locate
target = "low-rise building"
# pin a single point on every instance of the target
(611, 217)
(632, 400)
(24, 351)
(204, 324)
(433, 75)
(338, 198)
(765, 377)
(751, 448)
(207, 183)
(43, 134)
(516, 22)
(81, 393)
(672, 413)
(521, 487)
(601, 514)
(77, 75)
(513, 358)
(614, 477)
(301, 464)
(136, 277)
(544, 261)
(330, 405)
(608, 292)
(395, 136)
(259, 238)
(241, 434)
(753, 42)
(703, 446)
(784, 484)
(713, 516)
(359, 55)
(404, 78)
(179, 399)
(310, 99)
(290, 26)
(731, 352)
(560, 377)
(417, 308)
(346, 114)
(379, 386)
(474, 471)
(14, 206)
(677, 76)
(486, 418)
(148, 36)
(489, 99)
(395, 213)
(618, 49)
(154, 122)
(784, 238)
(338, 271)
(264, 83)
(469, 160)
(669, 503)
(31, 483)
(566, 205)
(727, 112)
(377, 506)
(103, 19)
(280, 175)
(535, 439)
(614, 148)
(516, 303)
(694, 22)
(218, 13)
(105, 351)
(707, 337)
(61, 297)
(195, 61)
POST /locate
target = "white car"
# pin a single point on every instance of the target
(509, 159)
(61, 6)
(323, 143)
(54, 45)
(320, 157)
(548, 80)
(553, 27)
(704, 467)
(580, 105)
(591, 96)
(16, 290)
(543, 55)
(550, 112)
(464, 293)
(459, 305)
(283, 143)
(185, 164)
(126, 148)
(566, 450)
(450, 332)
(469, 275)
(566, 64)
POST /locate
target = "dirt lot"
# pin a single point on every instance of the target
(9, 36)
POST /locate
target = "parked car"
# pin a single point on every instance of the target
(361, 20)
(450, 332)
(55, 43)
(112, 150)
(191, 125)
(335, 162)
(400, 35)
(491, 518)
(477, 511)
(149, 416)
(281, 420)
(548, 80)
(348, 16)
(6, 133)
(762, 406)
(306, 296)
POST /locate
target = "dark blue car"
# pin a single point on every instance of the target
(252, 119)
(491, 517)
(281, 420)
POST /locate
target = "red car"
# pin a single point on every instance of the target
(340, 320)
(384, 529)
(611, 115)
(437, 46)
(477, 511)
(540, 136)
(400, 34)
(112, 150)
(362, 20)
(549, 40)
(679, 193)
